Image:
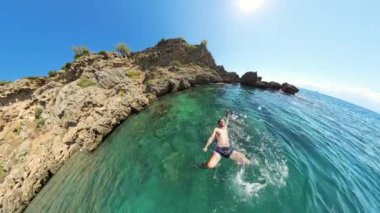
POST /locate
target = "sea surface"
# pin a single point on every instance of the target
(310, 153)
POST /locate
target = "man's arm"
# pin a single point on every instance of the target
(210, 140)
(228, 117)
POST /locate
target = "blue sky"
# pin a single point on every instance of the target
(329, 46)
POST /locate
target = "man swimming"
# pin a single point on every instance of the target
(223, 148)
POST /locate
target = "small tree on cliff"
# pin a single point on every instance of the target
(123, 49)
(81, 51)
(204, 43)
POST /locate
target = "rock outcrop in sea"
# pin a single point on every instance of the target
(251, 79)
(45, 120)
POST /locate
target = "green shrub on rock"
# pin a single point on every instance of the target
(37, 112)
(123, 49)
(192, 47)
(52, 73)
(204, 43)
(161, 41)
(66, 66)
(32, 77)
(81, 51)
(176, 63)
(2, 82)
(150, 82)
(40, 123)
(102, 52)
(85, 82)
(122, 93)
(133, 73)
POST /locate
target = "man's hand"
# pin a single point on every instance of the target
(204, 149)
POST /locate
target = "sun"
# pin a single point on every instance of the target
(248, 6)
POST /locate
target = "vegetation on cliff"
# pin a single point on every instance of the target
(81, 51)
(123, 49)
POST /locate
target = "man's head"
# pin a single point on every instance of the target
(221, 122)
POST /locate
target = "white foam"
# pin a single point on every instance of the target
(248, 188)
(275, 173)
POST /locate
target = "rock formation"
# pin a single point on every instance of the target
(251, 79)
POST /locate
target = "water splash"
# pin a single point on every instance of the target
(269, 166)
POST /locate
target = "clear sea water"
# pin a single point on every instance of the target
(311, 153)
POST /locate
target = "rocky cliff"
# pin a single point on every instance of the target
(46, 120)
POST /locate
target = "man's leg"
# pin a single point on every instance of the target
(240, 158)
(215, 158)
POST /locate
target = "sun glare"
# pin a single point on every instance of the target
(248, 6)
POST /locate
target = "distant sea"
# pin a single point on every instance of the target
(311, 153)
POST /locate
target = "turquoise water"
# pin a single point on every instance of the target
(311, 153)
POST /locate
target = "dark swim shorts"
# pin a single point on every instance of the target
(224, 151)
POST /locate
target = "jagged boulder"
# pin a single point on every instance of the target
(184, 84)
(249, 78)
(175, 50)
(289, 88)
(230, 77)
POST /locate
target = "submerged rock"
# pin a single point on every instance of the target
(161, 110)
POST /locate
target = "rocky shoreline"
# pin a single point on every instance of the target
(46, 120)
